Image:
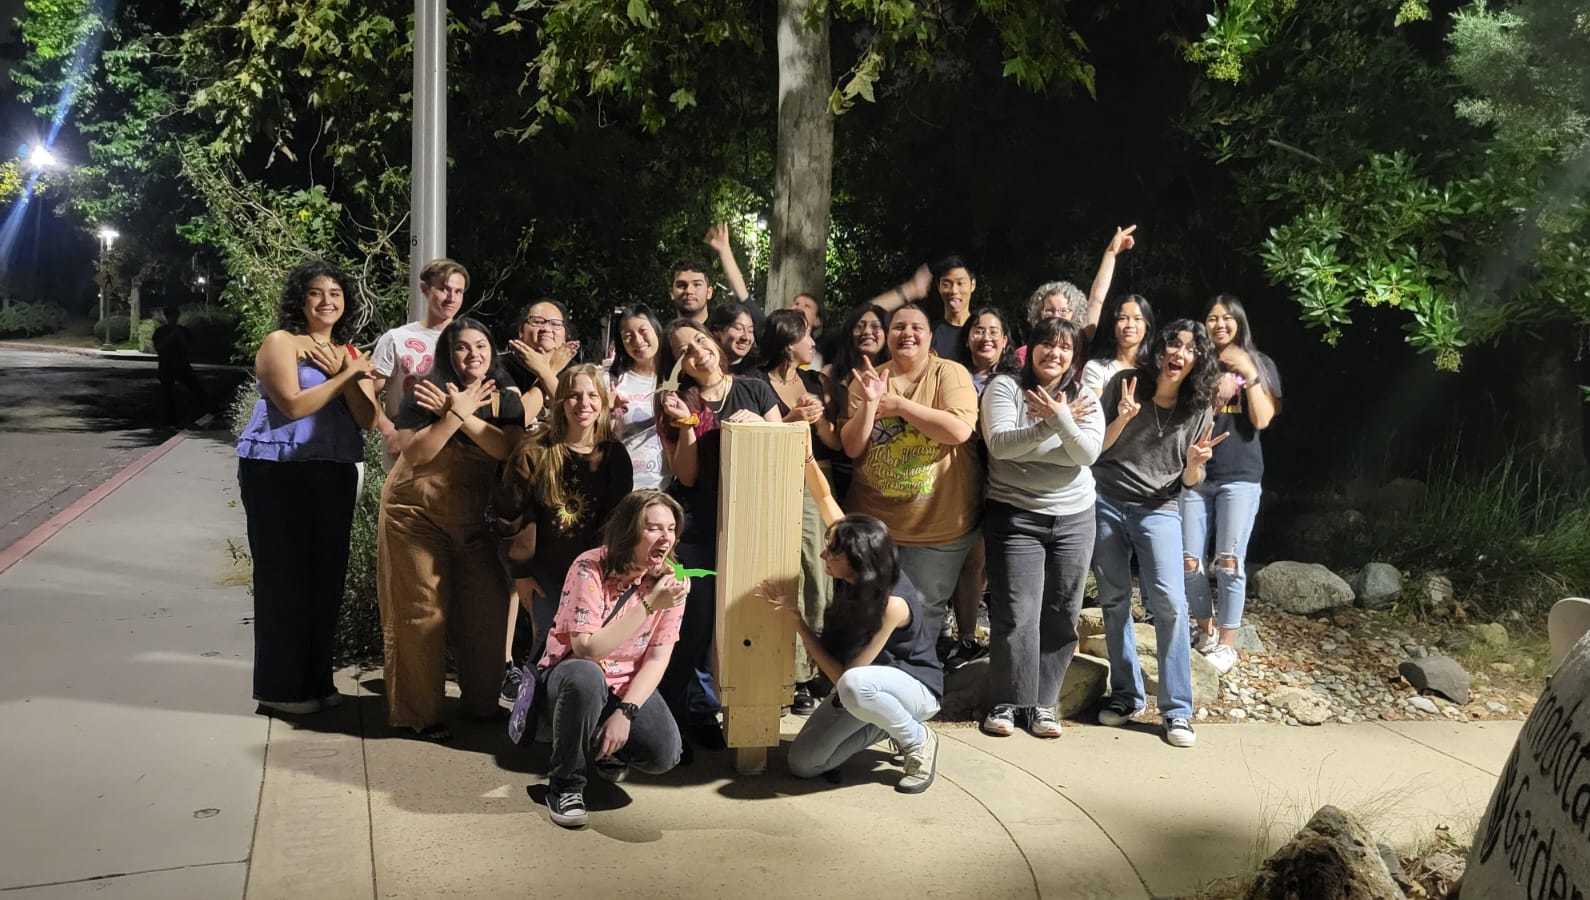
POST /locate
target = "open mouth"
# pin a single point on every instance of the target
(658, 555)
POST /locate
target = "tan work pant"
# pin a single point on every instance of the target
(440, 584)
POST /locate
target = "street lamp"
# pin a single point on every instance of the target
(40, 158)
(107, 237)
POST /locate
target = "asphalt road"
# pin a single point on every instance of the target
(69, 421)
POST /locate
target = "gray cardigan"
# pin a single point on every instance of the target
(1038, 466)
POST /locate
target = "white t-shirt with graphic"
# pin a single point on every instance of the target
(403, 356)
(637, 428)
(1098, 372)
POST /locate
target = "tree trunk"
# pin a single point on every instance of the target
(133, 305)
(803, 179)
(1549, 406)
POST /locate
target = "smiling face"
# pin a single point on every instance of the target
(584, 405)
(1051, 361)
(867, 335)
(544, 328)
(1178, 357)
(808, 307)
(701, 359)
(659, 531)
(1223, 326)
(1129, 326)
(1055, 306)
(640, 339)
(956, 288)
(445, 298)
(987, 340)
(910, 336)
(471, 355)
(690, 291)
(803, 351)
(738, 337)
(323, 303)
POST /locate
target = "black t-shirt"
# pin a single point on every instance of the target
(171, 345)
(524, 379)
(1240, 457)
(701, 499)
(592, 483)
(912, 648)
(505, 411)
(947, 340)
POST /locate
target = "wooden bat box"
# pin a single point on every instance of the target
(759, 538)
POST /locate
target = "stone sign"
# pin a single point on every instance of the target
(1534, 839)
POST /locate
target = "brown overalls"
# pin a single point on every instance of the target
(440, 582)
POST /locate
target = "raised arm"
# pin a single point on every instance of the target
(909, 291)
(718, 239)
(1120, 243)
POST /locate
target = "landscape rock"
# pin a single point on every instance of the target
(1205, 677)
(1400, 496)
(1085, 684)
(1491, 634)
(1333, 856)
(1248, 640)
(966, 689)
(1437, 674)
(1301, 588)
(1142, 632)
(1090, 622)
(1424, 705)
(1377, 586)
(1436, 596)
(1306, 706)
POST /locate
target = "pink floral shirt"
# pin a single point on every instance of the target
(588, 598)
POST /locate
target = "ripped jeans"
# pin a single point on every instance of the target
(1232, 505)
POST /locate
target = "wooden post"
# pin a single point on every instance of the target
(759, 538)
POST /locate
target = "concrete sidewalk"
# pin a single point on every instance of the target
(134, 766)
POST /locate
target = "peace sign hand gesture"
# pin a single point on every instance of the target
(1129, 407)
(1204, 448)
(1122, 241)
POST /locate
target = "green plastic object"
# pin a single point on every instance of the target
(681, 572)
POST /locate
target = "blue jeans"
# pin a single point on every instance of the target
(879, 702)
(935, 571)
(1154, 532)
(1233, 505)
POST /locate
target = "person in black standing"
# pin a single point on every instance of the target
(171, 342)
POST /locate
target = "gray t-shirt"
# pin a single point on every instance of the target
(1039, 466)
(1145, 463)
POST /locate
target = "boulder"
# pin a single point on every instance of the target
(1333, 856)
(1090, 622)
(1436, 596)
(1438, 675)
(1491, 634)
(1301, 588)
(1205, 677)
(1306, 706)
(1085, 685)
(966, 689)
(1248, 640)
(1421, 703)
(1400, 496)
(1143, 633)
(1327, 536)
(1377, 586)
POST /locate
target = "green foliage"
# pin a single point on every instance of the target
(113, 329)
(21, 319)
(1237, 30)
(359, 627)
(1511, 536)
(145, 339)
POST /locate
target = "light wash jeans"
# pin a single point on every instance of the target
(935, 571)
(1154, 532)
(879, 702)
(1233, 505)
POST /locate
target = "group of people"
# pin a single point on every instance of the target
(540, 509)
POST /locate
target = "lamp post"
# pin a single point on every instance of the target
(107, 238)
(203, 284)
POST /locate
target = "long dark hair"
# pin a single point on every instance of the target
(1104, 344)
(857, 610)
(622, 361)
(290, 314)
(784, 328)
(666, 360)
(443, 372)
(1054, 331)
(722, 317)
(1198, 387)
(1244, 338)
(1006, 363)
(847, 358)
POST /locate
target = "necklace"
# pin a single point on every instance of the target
(1158, 425)
(326, 345)
(719, 401)
(793, 379)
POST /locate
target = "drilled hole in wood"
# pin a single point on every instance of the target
(747, 642)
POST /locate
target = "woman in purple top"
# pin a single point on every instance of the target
(296, 471)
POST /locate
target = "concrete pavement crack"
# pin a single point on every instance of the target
(1006, 828)
(1435, 749)
(92, 878)
(259, 800)
(1062, 794)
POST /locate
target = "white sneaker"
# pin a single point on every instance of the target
(1223, 658)
(921, 764)
(1204, 641)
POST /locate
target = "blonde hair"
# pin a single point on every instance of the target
(537, 463)
(440, 269)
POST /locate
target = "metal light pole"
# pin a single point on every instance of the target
(428, 167)
(107, 237)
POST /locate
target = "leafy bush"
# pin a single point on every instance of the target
(214, 333)
(113, 329)
(31, 319)
(1511, 537)
(146, 335)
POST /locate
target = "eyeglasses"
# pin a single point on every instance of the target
(538, 322)
(864, 327)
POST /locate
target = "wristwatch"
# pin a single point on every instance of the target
(629, 710)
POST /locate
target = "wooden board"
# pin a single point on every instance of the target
(759, 537)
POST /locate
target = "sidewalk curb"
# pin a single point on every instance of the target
(124, 355)
(33, 540)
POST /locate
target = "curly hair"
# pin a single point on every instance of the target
(1076, 301)
(290, 315)
(1198, 387)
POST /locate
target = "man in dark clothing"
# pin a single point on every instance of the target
(171, 345)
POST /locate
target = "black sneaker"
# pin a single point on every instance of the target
(965, 650)
(1179, 733)
(1117, 711)
(567, 808)
(511, 680)
(804, 703)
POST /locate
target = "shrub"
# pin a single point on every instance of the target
(113, 329)
(31, 319)
(146, 335)
(214, 333)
